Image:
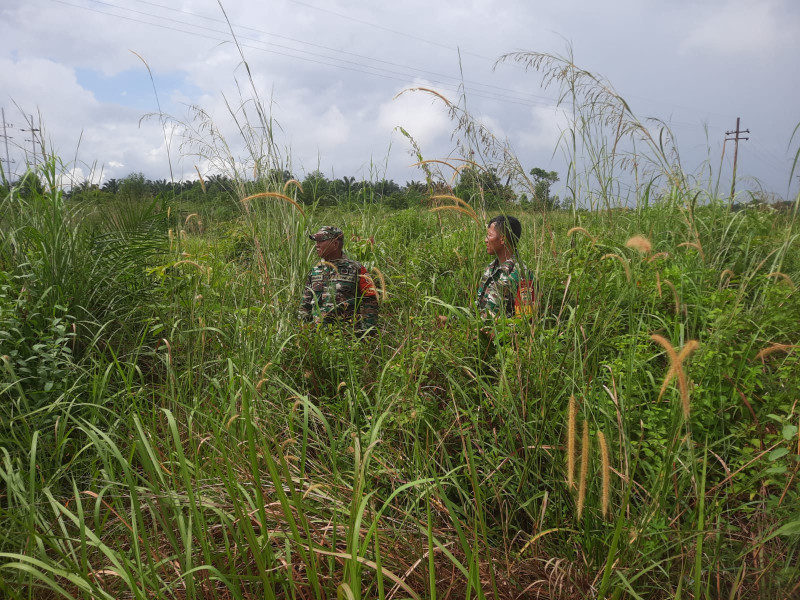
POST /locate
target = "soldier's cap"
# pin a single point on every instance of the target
(327, 232)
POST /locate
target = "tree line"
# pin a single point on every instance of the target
(482, 186)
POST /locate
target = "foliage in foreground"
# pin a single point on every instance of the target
(168, 429)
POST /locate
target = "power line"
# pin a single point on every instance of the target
(530, 100)
(356, 66)
(381, 27)
(345, 52)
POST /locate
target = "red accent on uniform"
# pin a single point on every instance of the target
(365, 285)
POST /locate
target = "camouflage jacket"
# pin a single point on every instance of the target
(499, 286)
(340, 290)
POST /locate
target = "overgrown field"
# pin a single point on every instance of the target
(170, 430)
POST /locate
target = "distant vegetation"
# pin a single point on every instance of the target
(317, 189)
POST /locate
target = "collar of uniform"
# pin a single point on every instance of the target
(335, 260)
(496, 264)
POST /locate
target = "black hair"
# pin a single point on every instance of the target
(510, 227)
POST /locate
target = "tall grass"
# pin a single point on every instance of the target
(187, 438)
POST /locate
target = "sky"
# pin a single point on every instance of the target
(95, 76)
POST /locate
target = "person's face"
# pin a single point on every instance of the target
(494, 240)
(327, 249)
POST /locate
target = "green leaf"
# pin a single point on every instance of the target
(789, 431)
(778, 453)
(790, 528)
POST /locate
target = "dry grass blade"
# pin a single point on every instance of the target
(771, 349)
(622, 261)
(372, 565)
(186, 222)
(640, 244)
(541, 534)
(278, 195)
(676, 368)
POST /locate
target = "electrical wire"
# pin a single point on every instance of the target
(316, 57)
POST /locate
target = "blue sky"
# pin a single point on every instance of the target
(329, 74)
(133, 88)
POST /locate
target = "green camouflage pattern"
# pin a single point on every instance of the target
(326, 232)
(498, 288)
(340, 291)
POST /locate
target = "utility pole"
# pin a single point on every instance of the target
(5, 137)
(32, 131)
(735, 139)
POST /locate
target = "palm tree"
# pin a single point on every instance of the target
(111, 186)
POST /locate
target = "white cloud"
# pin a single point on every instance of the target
(741, 28)
(543, 130)
(422, 115)
(333, 129)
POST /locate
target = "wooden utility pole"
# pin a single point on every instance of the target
(32, 131)
(735, 139)
(5, 137)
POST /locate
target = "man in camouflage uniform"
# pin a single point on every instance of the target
(338, 289)
(505, 286)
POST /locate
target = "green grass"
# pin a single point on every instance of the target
(168, 429)
(213, 448)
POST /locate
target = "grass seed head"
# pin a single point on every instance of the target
(622, 261)
(606, 471)
(668, 283)
(676, 368)
(470, 213)
(246, 201)
(583, 231)
(771, 349)
(293, 182)
(382, 279)
(725, 278)
(202, 181)
(784, 277)
(640, 244)
(584, 469)
(696, 246)
(571, 418)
